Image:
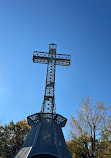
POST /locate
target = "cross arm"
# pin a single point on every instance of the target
(44, 57)
(40, 57)
(63, 59)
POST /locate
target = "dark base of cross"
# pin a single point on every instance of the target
(45, 138)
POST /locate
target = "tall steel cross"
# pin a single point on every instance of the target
(51, 59)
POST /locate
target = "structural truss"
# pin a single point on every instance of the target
(51, 59)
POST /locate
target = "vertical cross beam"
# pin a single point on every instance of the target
(51, 59)
(49, 97)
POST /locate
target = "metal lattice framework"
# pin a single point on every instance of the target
(48, 106)
(60, 120)
(51, 59)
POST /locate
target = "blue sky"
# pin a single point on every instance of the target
(81, 28)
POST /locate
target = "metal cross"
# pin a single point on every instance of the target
(51, 59)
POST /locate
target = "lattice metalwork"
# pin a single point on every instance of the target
(51, 59)
(60, 120)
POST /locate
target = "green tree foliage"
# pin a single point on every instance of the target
(12, 137)
(77, 148)
(90, 132)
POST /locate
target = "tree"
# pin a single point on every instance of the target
(90, 125)
(77, 148)
(12, 137)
